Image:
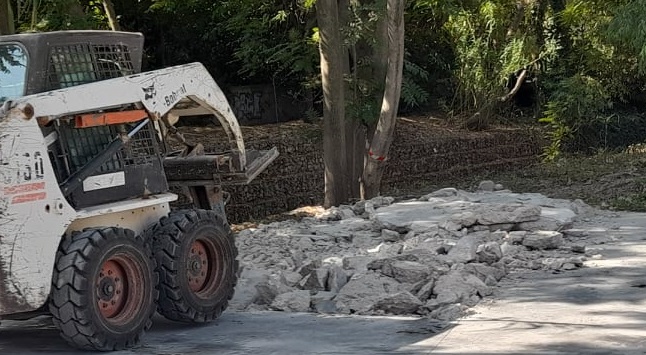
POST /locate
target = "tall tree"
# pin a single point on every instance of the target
(379, 144)
(6, 18)
(354, 166)
(335, 149)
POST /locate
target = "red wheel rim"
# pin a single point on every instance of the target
(202, 268)
(119, 289)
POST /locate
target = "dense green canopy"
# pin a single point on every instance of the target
(580, 60)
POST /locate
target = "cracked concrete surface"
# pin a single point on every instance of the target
(599, 309)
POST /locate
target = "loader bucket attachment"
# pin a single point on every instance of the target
(206, 168)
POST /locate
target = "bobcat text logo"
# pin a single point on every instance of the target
(174, 96)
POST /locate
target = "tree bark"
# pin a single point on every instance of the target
(562, 35)
(383, 134)
(334, 120)
(355, 138)
(6, 18)
(380, 54)
(108, 6)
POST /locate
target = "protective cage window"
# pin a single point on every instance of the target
(13, 71)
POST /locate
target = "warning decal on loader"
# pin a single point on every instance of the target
(29, 198)
(26, 192)
(21, 189)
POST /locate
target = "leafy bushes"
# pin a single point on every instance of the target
(577, 101)
(586, 58)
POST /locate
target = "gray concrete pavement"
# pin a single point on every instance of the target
(246, 333)
(600, 309)
(596, 310)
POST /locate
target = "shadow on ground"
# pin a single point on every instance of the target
(247, 333)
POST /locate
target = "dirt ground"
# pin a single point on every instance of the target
(612, 180)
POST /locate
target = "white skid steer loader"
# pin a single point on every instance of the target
(88, 228)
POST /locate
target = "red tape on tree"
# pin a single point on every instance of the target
(376, 157)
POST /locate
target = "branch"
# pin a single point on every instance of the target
(519, 83)
(112, 16)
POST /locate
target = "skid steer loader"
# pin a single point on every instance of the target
(88, 231)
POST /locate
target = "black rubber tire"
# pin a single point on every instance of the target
(173, 240)
(75, 295)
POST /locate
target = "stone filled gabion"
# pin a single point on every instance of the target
(435, 256)
(420, 152)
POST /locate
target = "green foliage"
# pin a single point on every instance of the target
(55, 15)
(586, 57)
(578, 101)
(413, 94)
(491, 40)
(272, 39)
(365, 81)
(629, 28)
(588, 78)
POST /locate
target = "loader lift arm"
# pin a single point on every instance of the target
(158, 91)
(89, 191)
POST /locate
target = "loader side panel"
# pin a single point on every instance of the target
(33, 214)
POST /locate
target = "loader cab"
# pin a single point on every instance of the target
(34, 63)
(54, 60)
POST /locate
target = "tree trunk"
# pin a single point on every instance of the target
(383, 135)
(334, 125)
(6, 18)
(561, 32)
(108, 6)
(380, 54)
(355, 138)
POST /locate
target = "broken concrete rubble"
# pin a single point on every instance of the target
(436, 255)
(316, 280)
(337, 278)
(488, 253)
(489, 214)
(322, 302)
(543, 240)
(399, 303)
(391, 236)
(406, 271)
(294, 301)
(487, 186)
(360, 294)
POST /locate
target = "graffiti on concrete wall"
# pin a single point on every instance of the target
(246, 105)
(260, 104)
